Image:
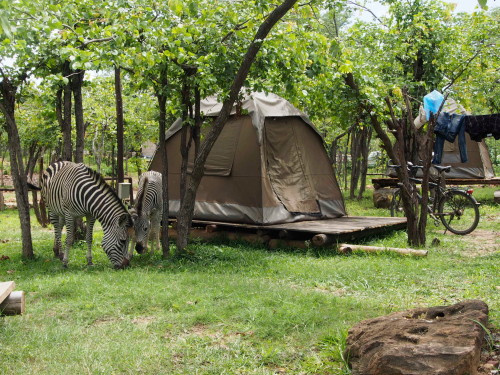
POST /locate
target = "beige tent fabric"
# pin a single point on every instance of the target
(259, 106)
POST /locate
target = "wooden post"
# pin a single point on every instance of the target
(346, 249)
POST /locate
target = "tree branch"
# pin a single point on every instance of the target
(368, 10)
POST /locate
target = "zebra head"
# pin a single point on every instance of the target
(142, 226)
(141, 219)
(115, 240)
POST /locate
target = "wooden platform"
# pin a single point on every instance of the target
(392, 182)
(5, 289)
(298, 234)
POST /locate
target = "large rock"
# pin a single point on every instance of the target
(438, 340)
(382, 197)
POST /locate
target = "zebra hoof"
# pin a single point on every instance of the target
(90, 264)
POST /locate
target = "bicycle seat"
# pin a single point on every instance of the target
(442, 169)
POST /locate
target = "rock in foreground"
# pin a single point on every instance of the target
(438, 340)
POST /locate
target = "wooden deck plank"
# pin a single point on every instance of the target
(341, 225)
(5, 289)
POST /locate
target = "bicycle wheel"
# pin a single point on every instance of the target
(397, 205)
(459, 212)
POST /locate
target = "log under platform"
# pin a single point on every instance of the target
(317, 233)
(11, 302)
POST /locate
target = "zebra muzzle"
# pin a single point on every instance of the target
(139, 248)
(125, 263)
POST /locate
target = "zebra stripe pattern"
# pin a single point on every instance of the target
(72, 191)
(147, 211)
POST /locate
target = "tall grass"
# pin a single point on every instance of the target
(230, 308)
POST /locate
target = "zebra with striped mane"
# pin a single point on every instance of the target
(72, 191)
(147, 211)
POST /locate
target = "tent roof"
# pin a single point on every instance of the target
(259, 105)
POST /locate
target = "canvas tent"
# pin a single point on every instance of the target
(478, 164)
(267, 166)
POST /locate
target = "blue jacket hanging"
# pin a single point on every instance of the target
(448, 126)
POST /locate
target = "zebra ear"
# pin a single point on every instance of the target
(124, 220)
(140, 197)
(133, 214)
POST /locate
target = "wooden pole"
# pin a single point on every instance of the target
(346, 249)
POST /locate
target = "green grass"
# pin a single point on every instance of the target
(231, 308)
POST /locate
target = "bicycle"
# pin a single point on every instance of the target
(456, 208)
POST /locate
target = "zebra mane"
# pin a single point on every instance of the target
(97, 177)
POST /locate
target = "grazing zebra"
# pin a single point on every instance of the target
(147, 211)
(71, 191)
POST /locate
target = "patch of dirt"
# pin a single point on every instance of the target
(143, 320)
(482, 242)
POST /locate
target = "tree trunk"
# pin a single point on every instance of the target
(43, 209)
(356, 139)
(7, 106)
(365, 148)
(1, 168)
(119, 125)
(161, 94)
(186, 139)
(34, 154)
(76, 88)
(187, 207)
(63, 107)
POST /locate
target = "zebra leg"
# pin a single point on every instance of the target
(155, 229)
(70, 238)
(131, 245)
(88, 238)
(58, 223)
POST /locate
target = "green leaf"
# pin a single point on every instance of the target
(176, 7)
(482, 4)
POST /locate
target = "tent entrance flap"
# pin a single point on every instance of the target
(286, 168)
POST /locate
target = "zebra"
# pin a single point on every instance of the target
(147, 211)
(71, 191)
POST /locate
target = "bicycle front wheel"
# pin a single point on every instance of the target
(459, 212)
